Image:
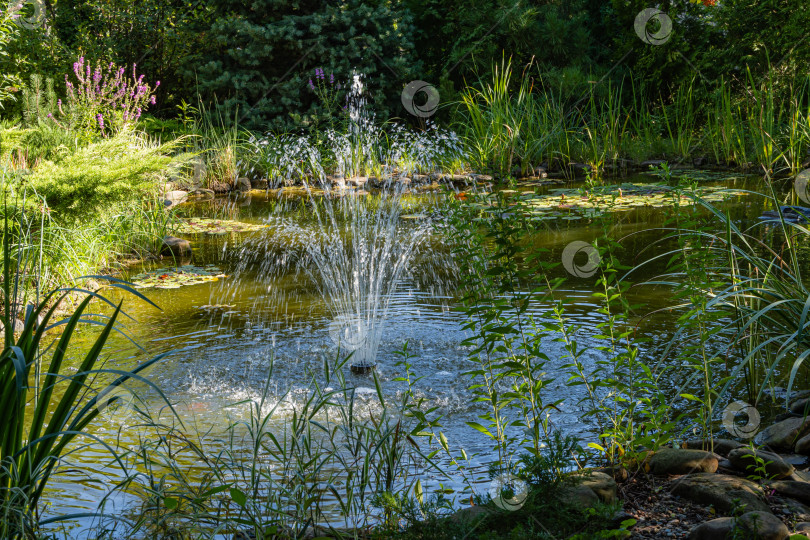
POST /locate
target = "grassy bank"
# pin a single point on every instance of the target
(513, 123)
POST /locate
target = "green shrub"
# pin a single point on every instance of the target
(110, 171)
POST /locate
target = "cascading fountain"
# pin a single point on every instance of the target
(359, 250)
(354, 247)
(356, 256)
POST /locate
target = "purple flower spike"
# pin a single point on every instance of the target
(331, 78)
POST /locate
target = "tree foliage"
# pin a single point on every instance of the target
(254, 59)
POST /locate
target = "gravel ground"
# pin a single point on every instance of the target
(660, 514)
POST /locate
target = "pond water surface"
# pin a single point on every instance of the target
(224, 335)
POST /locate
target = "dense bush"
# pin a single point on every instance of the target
(112, 170)
(258, 57)
(264, 53)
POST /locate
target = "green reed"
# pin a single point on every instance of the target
(290, 460)
(44, 409)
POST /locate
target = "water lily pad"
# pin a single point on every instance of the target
(699, 175)
(174, 278)
(216, 307)
(572, 204)
(215, 226)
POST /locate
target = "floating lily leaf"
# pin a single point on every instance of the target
(577, 203)
(699, 175)
(174, 278)
(214, 307)
(215, 226)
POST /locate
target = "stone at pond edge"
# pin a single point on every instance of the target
(720, 446)
(243, 184)
(783, 435)
(587, 488)
(803, 527)
(19, 326)
(803, 446)
(793, 489)
(579, 496)
(716, 529)
(618, 472)
(764, 525)
(220, 187)
(600, 483)
(745, 460)
(178, 247)
(720, 490)
(800, 406)
(471, 514)
(681, 461)
(173, 198)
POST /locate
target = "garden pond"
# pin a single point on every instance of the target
(241, 304)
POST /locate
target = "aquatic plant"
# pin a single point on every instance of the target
(753, 291)
(316, 457)
(43, 409)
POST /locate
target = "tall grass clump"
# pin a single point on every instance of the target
(744, 302)
(221, 149)
(506, 127)
(45, 408)
(318, 459)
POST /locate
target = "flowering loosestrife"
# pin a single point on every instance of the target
(103, 99)
(327, 92)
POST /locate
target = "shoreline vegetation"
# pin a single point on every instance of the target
(700, 433)
(503, 128)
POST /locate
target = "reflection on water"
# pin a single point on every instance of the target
(225, 335)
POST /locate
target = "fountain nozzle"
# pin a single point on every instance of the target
(362, 368)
